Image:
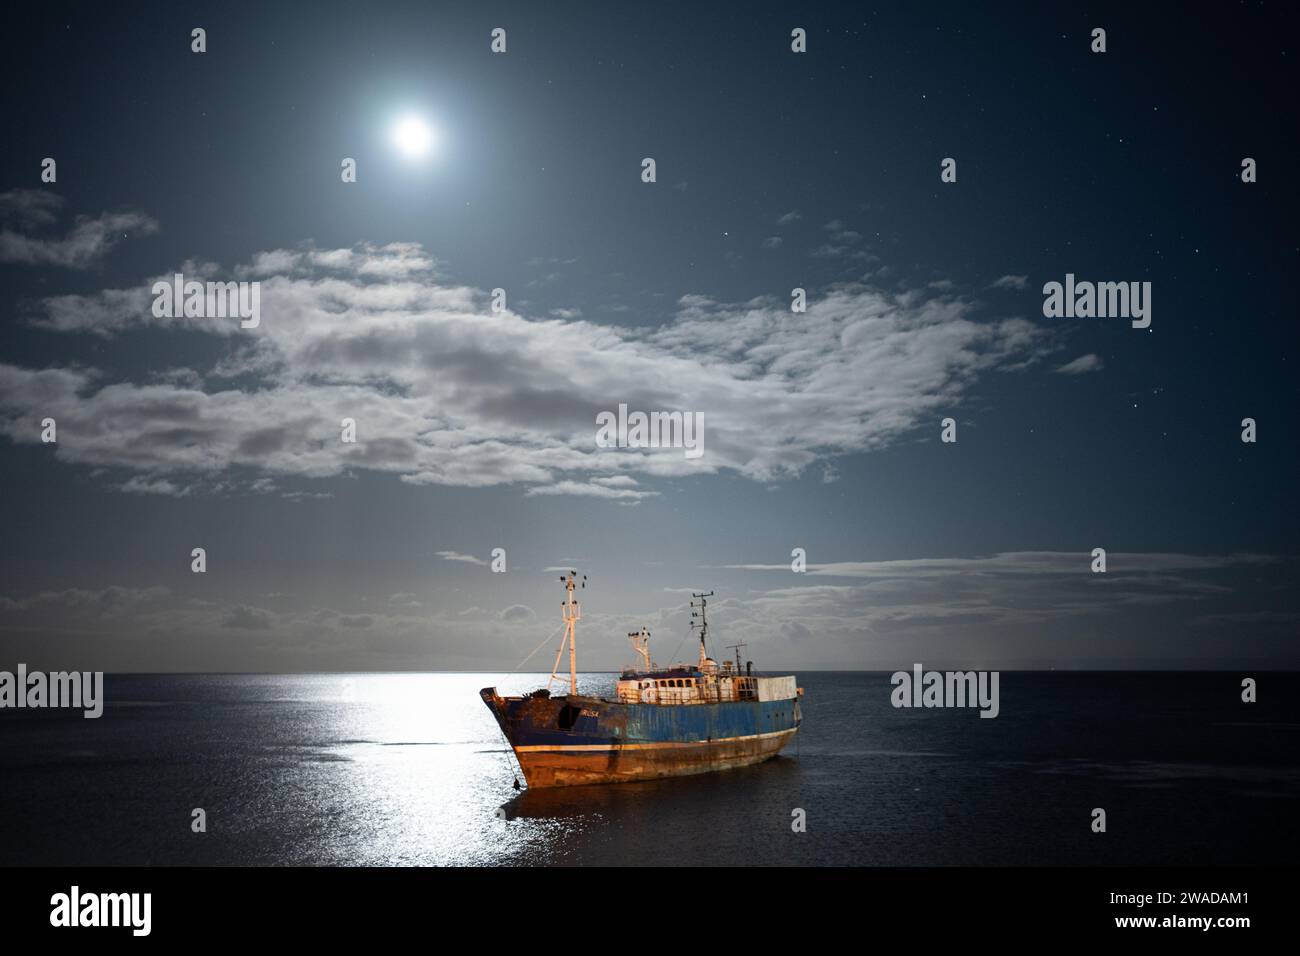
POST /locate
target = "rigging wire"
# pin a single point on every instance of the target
(546, 640)
(672, 659)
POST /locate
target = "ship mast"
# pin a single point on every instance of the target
(641, 644)
(703, 625)
(572, 612)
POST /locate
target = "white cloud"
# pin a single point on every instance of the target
(596, 488)
(1084, 363)
(841, 233)
(90, 239)
(138, 485)
(1010, 282)
(457, 556)
(1022, 562)
(444, 391)
(616, 481)
(829, 250)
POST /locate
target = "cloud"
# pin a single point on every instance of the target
(445, 391)
(1084, 363)
(828, 250)
(792, 216)
(772, 242)
(109, 601)
(1014, 609)
(248, 619)
(457, 556)
(593, 489)
(842, 244)
(152, 629)
(90, 239)
(794, 631)
(1010, 282)
(137, 485)
(396, 260)
(30, 207)
(841, 234)
(1022, 563)
(1030, 608)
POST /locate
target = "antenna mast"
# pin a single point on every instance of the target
(703, 615)
(572, 612)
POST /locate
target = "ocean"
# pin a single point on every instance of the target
(410, 769)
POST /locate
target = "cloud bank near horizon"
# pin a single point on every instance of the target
(1004, 610)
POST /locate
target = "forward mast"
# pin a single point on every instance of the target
(572, 612)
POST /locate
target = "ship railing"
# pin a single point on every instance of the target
(682, 696)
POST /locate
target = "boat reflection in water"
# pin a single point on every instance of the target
(585, 808)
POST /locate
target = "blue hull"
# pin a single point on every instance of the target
(564, 741)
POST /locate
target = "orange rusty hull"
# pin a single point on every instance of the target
(620, 763)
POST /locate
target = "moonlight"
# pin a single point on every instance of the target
(413, 137)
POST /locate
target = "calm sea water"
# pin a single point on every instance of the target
(411, 769)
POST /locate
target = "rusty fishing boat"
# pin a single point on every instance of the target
(675, 721)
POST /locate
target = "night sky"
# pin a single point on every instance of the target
(475, 429)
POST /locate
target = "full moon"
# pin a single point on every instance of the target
(413, 136)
